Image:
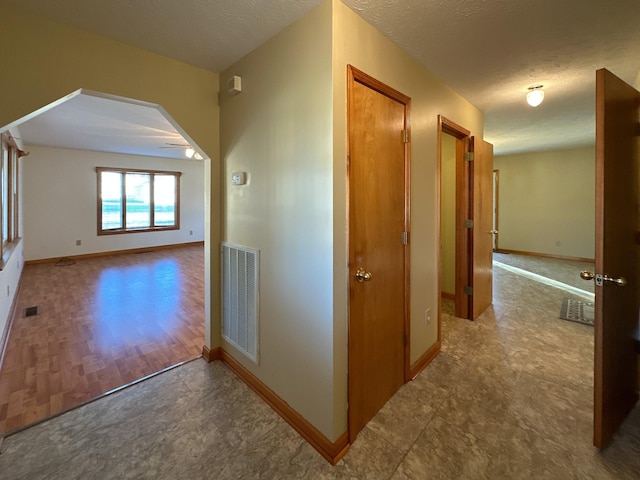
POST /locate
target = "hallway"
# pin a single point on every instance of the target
(509, 397)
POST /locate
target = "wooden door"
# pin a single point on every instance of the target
(378, 198)
(617, 253)
(482, 237)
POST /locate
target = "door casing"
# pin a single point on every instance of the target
(354, 75)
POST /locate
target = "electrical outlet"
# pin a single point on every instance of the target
(427, 316)
(190, 232)
(78, 243)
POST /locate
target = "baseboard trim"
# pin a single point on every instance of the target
(332, 452)
(211, 355)
(116, 252)
(448, 296)
(425, 359)
(546, 255)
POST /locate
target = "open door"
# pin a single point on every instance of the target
(617, 254)
(481, 263)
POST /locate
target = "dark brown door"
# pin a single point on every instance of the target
(377, 252)
(482, 238)
(617, 253)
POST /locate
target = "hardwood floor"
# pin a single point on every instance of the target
(102, 323)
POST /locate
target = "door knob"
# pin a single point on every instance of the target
(600, 279)
(362, 275)
(585, 275)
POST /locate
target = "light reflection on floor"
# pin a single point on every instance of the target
(127, 297)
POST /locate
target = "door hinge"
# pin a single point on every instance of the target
(404, 339)
(468, 290)
(468, 157)
(405, 238)
(405, 135)
(468, 223)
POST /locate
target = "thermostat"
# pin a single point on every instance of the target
(239, 178)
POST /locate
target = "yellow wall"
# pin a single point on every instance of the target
(358, 43)
(547, 202)
(278, 130)
(50, 60)
(284, 130)
(448, 213)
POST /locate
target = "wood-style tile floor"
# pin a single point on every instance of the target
(102, 323)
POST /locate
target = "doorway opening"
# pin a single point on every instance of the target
(117, 318)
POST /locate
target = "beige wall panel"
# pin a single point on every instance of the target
(547, 202)
(448, 214)
(278, 130)
(358, 43)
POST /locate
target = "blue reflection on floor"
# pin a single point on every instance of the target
(137, 302)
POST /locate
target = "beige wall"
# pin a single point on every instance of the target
(278, 130)
(286, 133)
(448, 213)
(358, 43)
(547, 202)
(50, 60)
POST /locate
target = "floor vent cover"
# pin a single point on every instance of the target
(240, 275)
(30, 311)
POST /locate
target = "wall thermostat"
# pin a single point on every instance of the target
(239, 178)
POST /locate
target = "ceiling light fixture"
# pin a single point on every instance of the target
(189, 152)
(535, 95)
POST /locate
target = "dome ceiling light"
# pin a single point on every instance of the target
(535, 95)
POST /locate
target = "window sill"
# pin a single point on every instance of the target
(137, 230)
(7, 251)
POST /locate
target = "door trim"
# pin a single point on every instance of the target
(357, 76)
(463, 203)
(496, 208)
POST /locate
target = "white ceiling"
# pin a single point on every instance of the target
(488, 51)
(95, 121)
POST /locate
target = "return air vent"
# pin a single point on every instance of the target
(240, 298)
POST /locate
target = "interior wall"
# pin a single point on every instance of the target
(60, 202)
(278, 130)
(359, 44)
(448, 213)
(49, 60)
(9, 281)
(547, 202)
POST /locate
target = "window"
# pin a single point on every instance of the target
(137, 200)
(9, 154)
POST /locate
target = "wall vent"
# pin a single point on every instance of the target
(240, 267)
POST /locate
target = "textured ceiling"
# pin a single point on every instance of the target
(488, 51)
(492, 51)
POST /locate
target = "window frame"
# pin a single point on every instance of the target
(11, 220)
(123, 197)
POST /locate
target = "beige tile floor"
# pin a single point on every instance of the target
(509, 397)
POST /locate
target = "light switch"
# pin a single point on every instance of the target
(239, 178)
